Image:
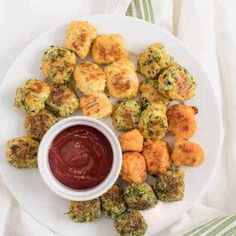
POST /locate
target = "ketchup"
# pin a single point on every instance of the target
(80, 157)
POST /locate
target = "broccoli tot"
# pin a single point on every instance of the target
(85, 211)
(170, 186)
(22, 152)
(131, 224)
(112, 202)
(58, 64)
(176, 83)
(139, 196)
(126, 115)
(31, 95)
(149, 93)
(37, 125)
(62, 100)
(153, 123)
(153, 59)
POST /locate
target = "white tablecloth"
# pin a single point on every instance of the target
(208, 27)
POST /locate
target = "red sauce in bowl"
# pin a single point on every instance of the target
(80, 157)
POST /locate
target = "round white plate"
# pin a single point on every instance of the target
(27, 185)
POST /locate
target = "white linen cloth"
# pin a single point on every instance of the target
(207, 27)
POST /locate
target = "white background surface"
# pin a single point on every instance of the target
(206, 26)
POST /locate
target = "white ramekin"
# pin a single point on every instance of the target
(62, 190)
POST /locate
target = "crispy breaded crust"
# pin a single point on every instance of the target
(89, 78)
(122, 80)
(157, 156)
(153, 123)
(108, 48)
(131, 141)
(97, 106)
(134, 168)
(79, 37)
(186, 153)
(131, 223)
(126, 114)
(85, 211)
(182, 123)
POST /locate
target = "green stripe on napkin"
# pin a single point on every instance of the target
(223, 226)
(141, 9)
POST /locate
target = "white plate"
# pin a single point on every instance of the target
(27, 186)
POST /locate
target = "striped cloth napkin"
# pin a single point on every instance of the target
(220, 226)
(160, 12)
(141, 9)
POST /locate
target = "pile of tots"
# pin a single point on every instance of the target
(142, 113)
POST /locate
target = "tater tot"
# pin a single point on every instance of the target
(108, 48)
(79, 37)
(89, 78)
(134, 168)
(122, 80)
(157, 156)
(186, 153)
(149, 93)
(131, 141)
(62, 101)
(97, 106)
(181, 120)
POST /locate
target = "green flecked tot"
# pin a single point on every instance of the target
(31, 95)
(139, 196)
(126, 115)
(62, 101)
(170, 186)
(58, 64)
(22, 152)
(112, 202)
(130, 224)
(37, 125)
(149, 93)
(153, 123)
(176, 83)
(85, 211)
(153, 60)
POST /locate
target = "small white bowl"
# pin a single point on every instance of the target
(77, 194)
